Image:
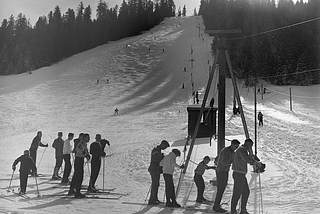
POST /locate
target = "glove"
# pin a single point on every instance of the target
(47, 145)
(88, 157)
(108, 143)
(182, 166)
(104, 154)
(14, 168)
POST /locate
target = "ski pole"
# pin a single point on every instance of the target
(41, 157)
(8, 190)
(90, 181)
(260, 193)
(35, 178)
(104, 164)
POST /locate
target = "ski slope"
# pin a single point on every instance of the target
(142, 76)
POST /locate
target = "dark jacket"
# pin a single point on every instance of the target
(26, 164)
(156, 157)
(58, 145)
(241, 160)
(225, 159)
(96, 150)
(36, 142)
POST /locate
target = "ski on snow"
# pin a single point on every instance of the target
(187, 207)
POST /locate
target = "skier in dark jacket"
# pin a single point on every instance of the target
(36, 142)
(155, 170)
(260, 118)
(27, 166)
(225, 160)
(58, 146)
(97, 151)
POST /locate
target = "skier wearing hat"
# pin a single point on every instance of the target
(169, 163)
(155, 170)
(26, 165)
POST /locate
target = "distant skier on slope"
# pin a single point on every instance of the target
(169, 163)
(116, 111)
(155, 170)
(198, 179)
(260, 118)
(27, 166)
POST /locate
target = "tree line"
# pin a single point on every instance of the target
(280, 41)
(57, 36)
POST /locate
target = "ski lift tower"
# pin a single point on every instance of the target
(223, 60)
(224, 63)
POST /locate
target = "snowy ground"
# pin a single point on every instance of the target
(143, 76)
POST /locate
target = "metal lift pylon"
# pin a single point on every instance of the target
(222, 59)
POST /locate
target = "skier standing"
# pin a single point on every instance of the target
(225, 160)
(155, 170)
(36, 142)
(97, 152)
(81, 153)
(240, 169)
(27, 166)
(169, 163)
(67, 150)
(198, 179)
(58, 146)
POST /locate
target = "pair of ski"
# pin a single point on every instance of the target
(96, 195)
(195, 207)
(19, 194)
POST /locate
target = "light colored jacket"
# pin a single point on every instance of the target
(168, 163)
(67, 149)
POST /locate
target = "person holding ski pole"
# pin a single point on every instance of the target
(169, 163)
(58, 146)
(67, 150)
(36, 142)
(27, 166)
(155, 170)
(77, 179)
(96, 151)
(242, 158)
(198, 179)
(225, 159)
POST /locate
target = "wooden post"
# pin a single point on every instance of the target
(262, 91)
(237, 96)
(255, 120)
(221, 94)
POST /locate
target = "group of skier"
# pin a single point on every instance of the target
(63, 152)
(237, 156)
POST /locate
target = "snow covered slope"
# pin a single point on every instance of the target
(143, 76)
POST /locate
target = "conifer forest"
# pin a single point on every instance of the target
(279, 43)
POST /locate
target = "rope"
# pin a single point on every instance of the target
(277, 29)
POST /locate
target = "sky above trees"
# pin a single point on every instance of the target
(33, 9)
